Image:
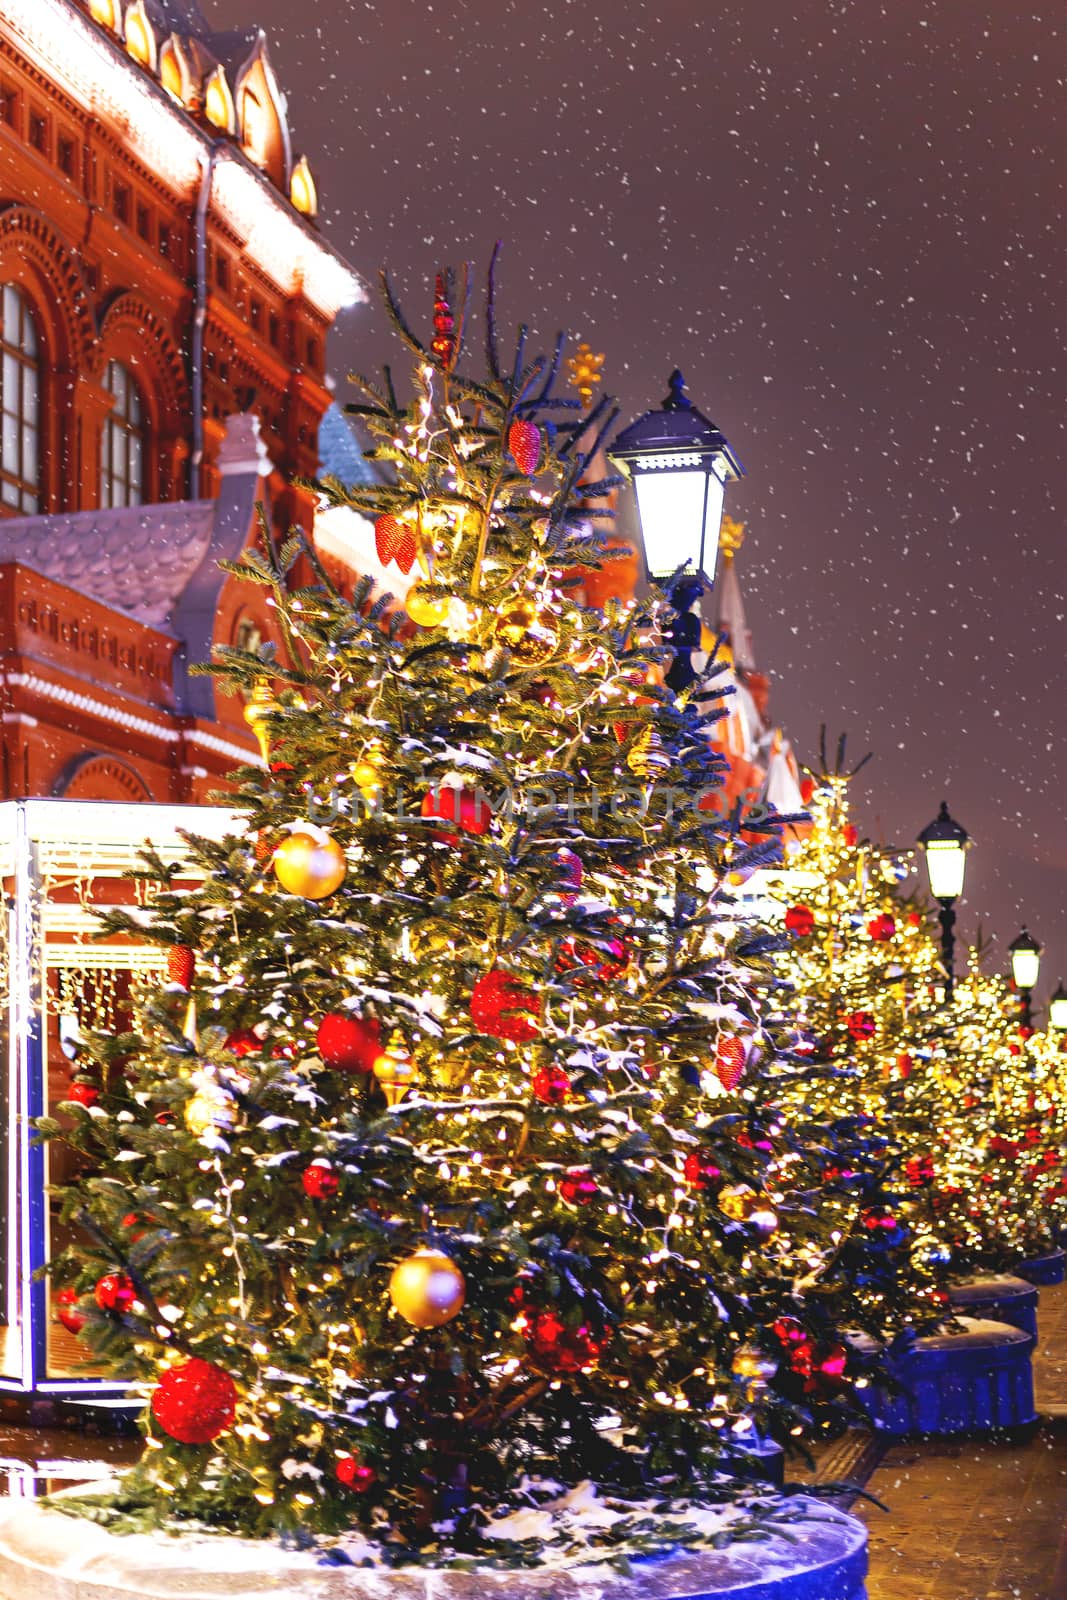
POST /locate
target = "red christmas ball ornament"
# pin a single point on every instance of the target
(244, 1042)
(394, 541)
(881, 928)
(348, 1043)
(702, 1171)
(115, 1292)
(919, 1171)
(578, 1187)
(802, 1357)
(467, 808)
(551, 1085)
(524, 445)
(729, 1061)
(807, 789)
(83, 1094)
(354, 1474)
(181, 965)
(800, 920)
(878, 1219)
(860, 1024)
(832, 1363)
(915, 919)
(504, 1008)
(320, 1181)
(195, 1401)
(788, 1331)
(849, 835)
(65, 1303)
(560, 1348)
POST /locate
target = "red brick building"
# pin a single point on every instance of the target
(165, 299)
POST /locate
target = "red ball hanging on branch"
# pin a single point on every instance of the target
(244, 1042)
(551, 1085)
(467, 808)
(194, 1402)
(320, 1181)
(354, 1474)
(349, 1043)
(578, 1187)
(504, 1008)
(849, 834)
(559, 1348)
(919, 1171)
(115, 1292)
(181, 965)
(881, 928)
(800, 920)
(588, 963)
(66, 1302)
(394, 541)
(524, 445)
(83, 1094)
(729, 1061)
(702, 1171)
(860, 1024)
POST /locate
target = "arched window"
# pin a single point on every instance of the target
(20, 403)
(123, 441)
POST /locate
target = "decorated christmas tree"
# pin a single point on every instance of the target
(452, 1161)
(867, 1010)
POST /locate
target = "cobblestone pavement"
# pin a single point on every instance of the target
(978, 1519)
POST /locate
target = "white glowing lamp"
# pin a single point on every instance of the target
(1057, 1009)
(680, 464)
(945, 844)
(1025, 961)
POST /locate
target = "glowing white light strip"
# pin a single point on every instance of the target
(21, 978)
(95, 708)
(211, 741)
(73, 53)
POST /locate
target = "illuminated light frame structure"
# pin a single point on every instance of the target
(79, 842)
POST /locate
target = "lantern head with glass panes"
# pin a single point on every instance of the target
(680, 464)
(1057, 1009)
(945, 844)
(1025, 955)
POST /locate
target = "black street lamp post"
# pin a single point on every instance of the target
(945, 844)
(680, 464)
(1025, 955)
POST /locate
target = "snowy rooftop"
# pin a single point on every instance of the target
(137, 559)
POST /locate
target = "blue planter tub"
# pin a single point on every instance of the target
(1044, 1270)
(1000, 1299)
(973, 1381)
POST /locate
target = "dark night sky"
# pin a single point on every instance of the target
(841, 220)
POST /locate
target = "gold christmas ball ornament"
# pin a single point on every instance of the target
(427, 1289)
(367, 773)
(395, 1071)
(208, 1109)
(529, 630)
(426, 609)
(737, 1201)
(310, 865)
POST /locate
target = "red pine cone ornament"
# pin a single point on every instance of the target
(881, 928)
(394, 541)
(320, 1181)
(504, 1008)
(524, 445)
(443, 343)
(729, 1061)
(83, 1094)
(348, 1043)
(354, 1474)
(800, 920)
(466, 807)
(65, 1303)
(551, 1085)
(181, 965)
(115, 1292)
(195, 1401)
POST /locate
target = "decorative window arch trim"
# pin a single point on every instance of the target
(131, 327)
(97, 769)
(32, 253)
